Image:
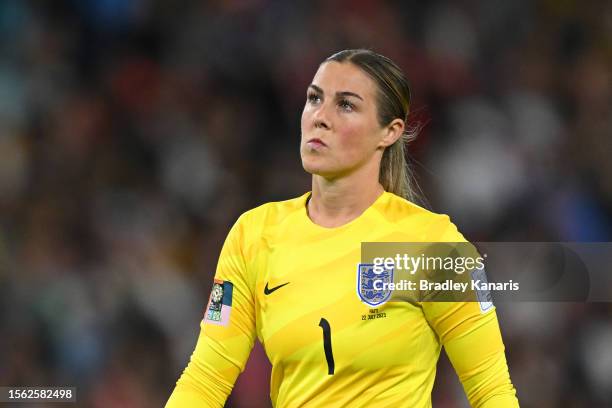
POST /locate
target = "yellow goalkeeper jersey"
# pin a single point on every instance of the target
(293, 285)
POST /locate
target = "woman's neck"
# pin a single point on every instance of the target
(337, 202)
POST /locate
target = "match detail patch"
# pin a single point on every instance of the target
(219, 303)
(485, 299)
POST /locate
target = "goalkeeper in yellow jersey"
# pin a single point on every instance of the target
(287, 273)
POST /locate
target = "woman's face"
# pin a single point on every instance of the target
(340, 129)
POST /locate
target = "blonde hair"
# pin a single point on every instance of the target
(394, 175)
(393, 102)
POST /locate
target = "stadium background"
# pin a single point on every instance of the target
(133, 133)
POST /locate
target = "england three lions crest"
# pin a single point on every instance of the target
(372, 287)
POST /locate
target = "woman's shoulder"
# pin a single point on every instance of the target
(274, 212)
(399, 209)
(410, 216)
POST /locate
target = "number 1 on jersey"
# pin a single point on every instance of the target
(329, 356)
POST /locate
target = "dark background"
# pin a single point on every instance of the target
(133, 133)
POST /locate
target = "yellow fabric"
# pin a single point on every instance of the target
(387, 361)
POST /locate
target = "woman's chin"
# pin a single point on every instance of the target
(314, 168)
(321, 171)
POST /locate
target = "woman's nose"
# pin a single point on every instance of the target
(321, 117)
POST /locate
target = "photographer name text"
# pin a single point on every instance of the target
(447, 285)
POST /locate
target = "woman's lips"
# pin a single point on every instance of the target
(315, 143)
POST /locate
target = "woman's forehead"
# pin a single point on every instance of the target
(334, 77)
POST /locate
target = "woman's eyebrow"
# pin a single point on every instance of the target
(316, 88)
(347, 93)
(343, 93)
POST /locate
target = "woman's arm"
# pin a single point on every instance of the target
(472, 340)
(473, 343)
(227, 333)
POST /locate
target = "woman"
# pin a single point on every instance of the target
(287, 271)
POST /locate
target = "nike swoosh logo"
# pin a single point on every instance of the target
(267, 290)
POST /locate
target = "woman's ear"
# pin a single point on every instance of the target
(391, 133)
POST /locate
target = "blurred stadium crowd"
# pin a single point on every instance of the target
(133, 133)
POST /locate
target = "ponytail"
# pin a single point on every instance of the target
(394, 169)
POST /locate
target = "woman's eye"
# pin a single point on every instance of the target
(313, 98)
(346, 105)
